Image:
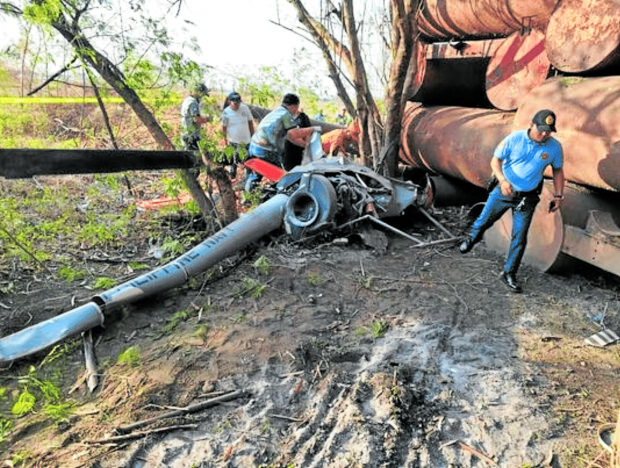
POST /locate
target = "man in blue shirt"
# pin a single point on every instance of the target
(277, 127)
(518, 165)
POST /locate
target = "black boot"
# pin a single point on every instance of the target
(511, 282)
(466, 245)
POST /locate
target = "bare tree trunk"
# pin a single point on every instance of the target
(370, 118)
(327, 43)
(114, 77)
(402, 72)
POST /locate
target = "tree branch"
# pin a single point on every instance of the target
(10, 9)
(54, 76)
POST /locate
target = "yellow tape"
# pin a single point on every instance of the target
(56, 100)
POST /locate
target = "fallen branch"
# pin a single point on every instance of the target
(137, 435)
(471, 450)
(287, 418)
(180, 412)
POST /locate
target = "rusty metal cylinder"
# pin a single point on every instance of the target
(447, 19)
(588, 124)
(453, 141)
(548, 248)
(583, 36)
(518, 65)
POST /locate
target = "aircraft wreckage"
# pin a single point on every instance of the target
(329, 193)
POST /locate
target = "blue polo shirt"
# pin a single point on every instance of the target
(524, 160)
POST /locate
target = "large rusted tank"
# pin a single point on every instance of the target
(446, 19)
(588, 123)
(586, 229)
(583, 36)
(519, 64)
(459, 143)
(453, 141)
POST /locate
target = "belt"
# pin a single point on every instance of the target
(526, 194)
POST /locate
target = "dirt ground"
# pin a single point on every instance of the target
(332, 354)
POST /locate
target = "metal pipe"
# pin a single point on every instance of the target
(447, 19)
(453, 141)
(583, 36)
(588, 124)
(262, 220)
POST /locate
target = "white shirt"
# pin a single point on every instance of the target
(237, 123)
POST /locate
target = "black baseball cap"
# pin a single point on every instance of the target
(544, 120)
(290, 99)
(234, 96)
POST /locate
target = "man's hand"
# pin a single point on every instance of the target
(554, 205)
(505, 187)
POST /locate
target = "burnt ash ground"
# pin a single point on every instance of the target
(350, 356)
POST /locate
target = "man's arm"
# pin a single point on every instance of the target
(300, 136)
(504, 185)
(225, 132)
(251, 126)
(558, 188)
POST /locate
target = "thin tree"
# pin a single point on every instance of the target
(379, 140)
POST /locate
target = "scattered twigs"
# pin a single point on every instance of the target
(180, 412)
(286, 418)
(21, 246)
(385, 225)
(137, 435)
(435, 222)
(472, 450)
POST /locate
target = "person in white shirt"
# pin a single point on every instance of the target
(238, 128)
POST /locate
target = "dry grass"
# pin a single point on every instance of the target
(615, 447)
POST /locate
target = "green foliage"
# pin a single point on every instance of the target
(6, 427)
(253, 198)
(378, 328)
(180, 69)
(131, 357)
(60, 351)
(43, 12)
(24, 404)
(70, 274)
(365, 281)
(104, 283)
(50, 391)
(59, 412)
(262, 265)
(172, 248)
(8, 288)
(138, 266)
(178, 317)
(172, 186)
(250, 287)
(314, 279)
(20, 457)
(202, 332)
